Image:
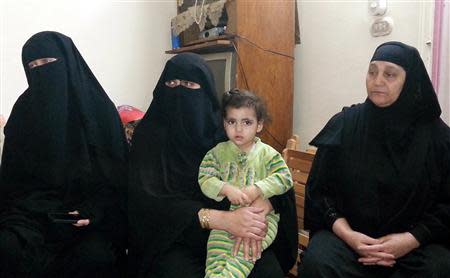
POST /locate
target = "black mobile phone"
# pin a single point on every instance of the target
(63, 217)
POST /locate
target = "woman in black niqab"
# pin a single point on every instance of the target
(378, 195)
(180, 126)
(64, 151)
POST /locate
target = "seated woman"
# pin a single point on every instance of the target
(165, 200)
(64, 152)
(378, 195)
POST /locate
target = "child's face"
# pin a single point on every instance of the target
(241, 126)
(129, 129)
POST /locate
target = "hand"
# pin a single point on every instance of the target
(264, 204)
(363, 245)
(81, 222)
(253, 192)
(245, 222)
(235, 195)
(254, 246)
(358, 241)
(396, 244)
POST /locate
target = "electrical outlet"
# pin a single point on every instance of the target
(382, 26)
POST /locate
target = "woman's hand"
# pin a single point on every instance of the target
(363, 245)
(81, 222)
(396, 244)
(250, 246)
(242, 222)
(359, 243)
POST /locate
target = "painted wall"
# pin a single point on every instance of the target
(123, 42)
(332, 60)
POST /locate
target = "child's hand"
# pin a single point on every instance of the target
(235, 195)
(253, 192)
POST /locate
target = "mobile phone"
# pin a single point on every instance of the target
(63, 217)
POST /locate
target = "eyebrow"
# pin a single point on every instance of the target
(391, 68)
(387, 67)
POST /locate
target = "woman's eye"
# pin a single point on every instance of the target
(41, 62)
(389, 75)
(190, 85)
(231, 122)
(172, 83)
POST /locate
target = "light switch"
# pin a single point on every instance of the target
(377, 7)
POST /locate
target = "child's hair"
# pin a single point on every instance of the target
(237, 98)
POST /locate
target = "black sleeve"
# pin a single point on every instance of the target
(104, 193)
(321, 196)
(434, 226)
(285, 245)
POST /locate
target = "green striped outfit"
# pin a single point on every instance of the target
(262, 166)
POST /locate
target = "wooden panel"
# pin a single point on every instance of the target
(299, 188)
(269, 24)
(300, 165)
(300, 177)
(271, 77)
(303, 237)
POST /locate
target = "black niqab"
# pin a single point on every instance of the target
(180, 126)
(64, 142)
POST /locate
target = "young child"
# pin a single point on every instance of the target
(242, 169)
(130, 117)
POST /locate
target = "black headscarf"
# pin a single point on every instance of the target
(64, 142)
(384, 152)
(417, 100)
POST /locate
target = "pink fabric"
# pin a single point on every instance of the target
(438, 11)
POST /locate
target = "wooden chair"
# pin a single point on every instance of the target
(299, 162)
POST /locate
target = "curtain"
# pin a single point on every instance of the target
(441, 56)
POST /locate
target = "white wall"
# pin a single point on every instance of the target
(336, 47)
(123, 42)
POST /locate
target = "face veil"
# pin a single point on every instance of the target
(63, 127)
(180, 126)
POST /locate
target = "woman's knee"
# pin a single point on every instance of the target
(436, 262)
(325, 254)
(10, 247)
(11, 255)
(96, 253)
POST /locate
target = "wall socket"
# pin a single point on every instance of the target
(382, 26)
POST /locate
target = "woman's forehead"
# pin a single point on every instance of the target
(41, 48)
(188, 73)
(385, 65)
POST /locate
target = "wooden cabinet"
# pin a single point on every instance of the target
(262, 34)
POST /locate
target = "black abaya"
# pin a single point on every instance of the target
(178, 129)
(64, 151)
(385, 170)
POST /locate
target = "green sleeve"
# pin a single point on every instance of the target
(279, 179)
(209, 177)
